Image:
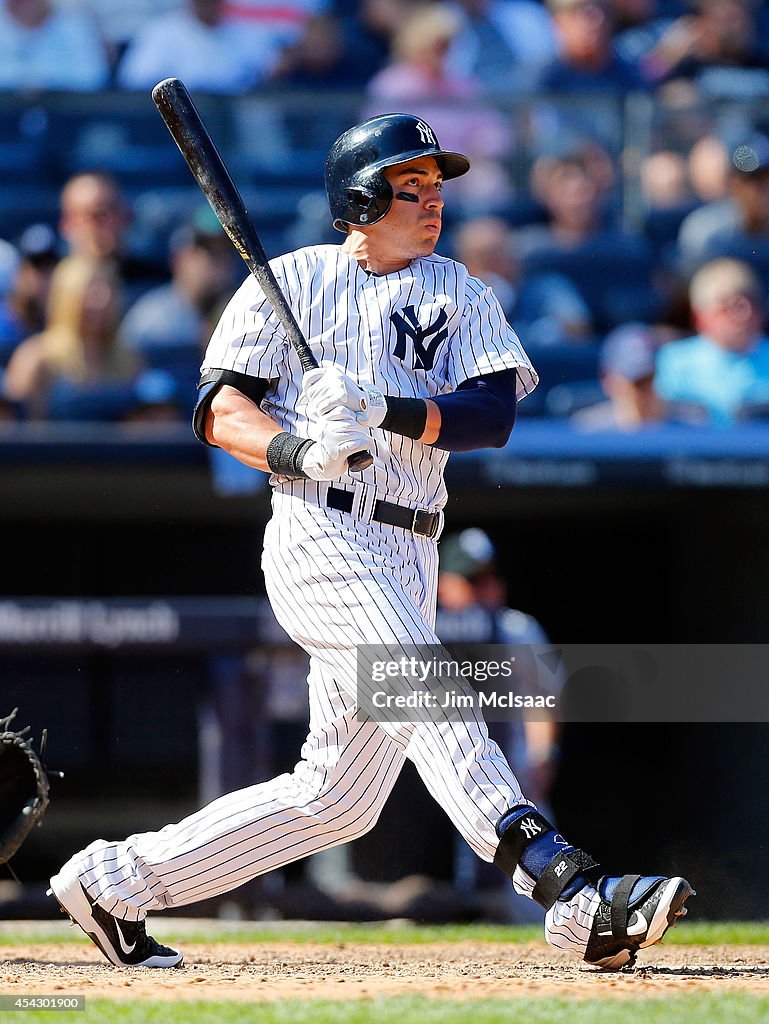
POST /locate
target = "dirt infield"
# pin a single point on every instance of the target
(284, 970)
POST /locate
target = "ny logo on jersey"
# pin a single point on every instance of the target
(426, 134)
(407, 325)
(530, 827)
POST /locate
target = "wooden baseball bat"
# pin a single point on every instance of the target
(204, 160)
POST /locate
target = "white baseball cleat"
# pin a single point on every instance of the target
(124, 943)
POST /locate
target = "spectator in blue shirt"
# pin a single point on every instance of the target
(43, 47)
(725, 367)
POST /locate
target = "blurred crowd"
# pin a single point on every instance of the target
(636, 271)
(458, 49)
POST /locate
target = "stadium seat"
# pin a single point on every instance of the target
(559, 365)
(614, 275)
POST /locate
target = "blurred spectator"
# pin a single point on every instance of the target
(472, 610)
(667, 197)
(319, 60)
(587, 61)
(721, 45)
(179, 313)
(627, 363)
(119, 20)
(665, 180)
(42, 47)
(199, 44)
(726, 365)
(545, 309)
(641, 26)
(368, 28)
(644, 15)
(575, 208)
(709, 165)
(502, 43)
(76, 368)
(611, 269)
(22, 310)
(272, 27)
(94, 222)
(420, 77)
(738, 225)
(94, 218)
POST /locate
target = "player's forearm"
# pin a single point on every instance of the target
(479, 414)
(235, 423)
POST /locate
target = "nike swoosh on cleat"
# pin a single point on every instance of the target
(637, 924)
(126, 949)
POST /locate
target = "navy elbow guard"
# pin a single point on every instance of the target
(254, 388)
(479, 414)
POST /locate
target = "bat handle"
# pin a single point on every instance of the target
(359, 461)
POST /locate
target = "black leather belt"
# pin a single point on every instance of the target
(417, 520)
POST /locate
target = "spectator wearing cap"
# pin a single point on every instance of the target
(22, 310)
(627, 367)
(178, 314)
(45, 47)
(737, 225)
(725, 366)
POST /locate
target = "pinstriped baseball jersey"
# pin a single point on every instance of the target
(418, 332)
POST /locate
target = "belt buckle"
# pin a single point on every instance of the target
(422, 531)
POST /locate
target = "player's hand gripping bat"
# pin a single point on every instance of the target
(197, 147)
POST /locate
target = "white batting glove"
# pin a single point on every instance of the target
(335, 441)
(328, 388)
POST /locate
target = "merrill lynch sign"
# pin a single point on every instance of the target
(88, 622)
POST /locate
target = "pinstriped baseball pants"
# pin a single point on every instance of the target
(334, 582)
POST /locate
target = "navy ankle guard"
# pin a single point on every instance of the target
(557, 868)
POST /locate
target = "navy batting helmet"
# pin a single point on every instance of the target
(358, 192)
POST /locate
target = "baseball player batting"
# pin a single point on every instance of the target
(415, 361)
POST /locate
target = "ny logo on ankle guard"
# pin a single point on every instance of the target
(530, 827)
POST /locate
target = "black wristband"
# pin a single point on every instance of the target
(285, 453)
(407, 416)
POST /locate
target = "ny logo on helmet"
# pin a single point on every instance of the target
(407, 325)
(426, 134)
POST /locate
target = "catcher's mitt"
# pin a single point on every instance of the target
(23, 787)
